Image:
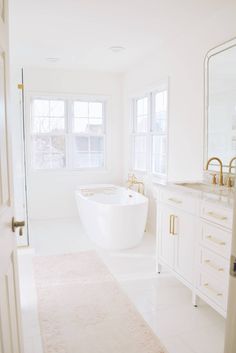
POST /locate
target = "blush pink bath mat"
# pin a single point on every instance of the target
(82, 309)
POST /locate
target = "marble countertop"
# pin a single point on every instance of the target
(208, 192)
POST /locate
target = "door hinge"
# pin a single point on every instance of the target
(233, 266)
(20, 86)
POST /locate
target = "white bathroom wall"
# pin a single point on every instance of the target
(51, 193)
(182, 62)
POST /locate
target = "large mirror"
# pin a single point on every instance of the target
(220, 104)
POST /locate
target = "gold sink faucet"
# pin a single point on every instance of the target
(132, 180)
(229, 180)
(221, 182)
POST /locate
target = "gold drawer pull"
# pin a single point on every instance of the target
(217, 216)
(210, 264)
(175, 200)
(172, 224)
(218, 294)
(216, 241)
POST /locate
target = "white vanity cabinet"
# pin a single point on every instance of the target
(194, 241)
(214, 248)
(175, 240)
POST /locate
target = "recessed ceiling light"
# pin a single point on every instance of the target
(117, 49)
(52, 59)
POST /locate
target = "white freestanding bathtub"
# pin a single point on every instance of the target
(114, 217)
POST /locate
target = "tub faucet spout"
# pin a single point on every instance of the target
(132, 180)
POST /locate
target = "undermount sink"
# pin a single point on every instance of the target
(198, 186)
(210, 188)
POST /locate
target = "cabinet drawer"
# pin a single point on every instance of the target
(214, 264)
(218, 215)
(178, 200)
(215, 290)
(216, 239)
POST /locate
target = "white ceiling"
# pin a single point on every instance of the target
(80, 32)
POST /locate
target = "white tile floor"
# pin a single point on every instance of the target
(162, 300)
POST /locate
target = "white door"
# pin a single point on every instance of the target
(230, 336)
(19, 167)
(10, 323)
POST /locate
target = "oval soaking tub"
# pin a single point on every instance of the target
(114, 217)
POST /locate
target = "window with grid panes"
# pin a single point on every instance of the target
(88, 134)
(149, 133)
(159, 133)
(140, 130)
(67, 134)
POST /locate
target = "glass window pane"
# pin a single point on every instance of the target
(95, 110)
(47, 125)
(41, 144)
(96, 160)
(159, 164)
(57, 124)
(36, 125)
(57, 160)
(142, 106)
(81, 109)
(48, 152)
(142, 123)
(140, 161)
(81, 125)
(140, 144)
(58, 145)
(41, 125)
(159, 123)
(96, 143)
(159, 145)
(82, 143)
(161, 101)
(81, 160)
(44, 125)
(96, 125)
(40, 107)
(57, 108)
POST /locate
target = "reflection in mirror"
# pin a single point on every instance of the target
(221, 104)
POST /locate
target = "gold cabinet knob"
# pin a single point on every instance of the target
(16, 224)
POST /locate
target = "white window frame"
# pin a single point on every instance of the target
(135, 133)
(150, 93)
(156, 133)
(69, 134)
(88, 135)
(47, 134)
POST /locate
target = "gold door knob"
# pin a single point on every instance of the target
(15, 224)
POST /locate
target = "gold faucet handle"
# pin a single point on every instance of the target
(221, 180)
(130, 177)
(133, 178)
(214, 181)
(229, 183)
